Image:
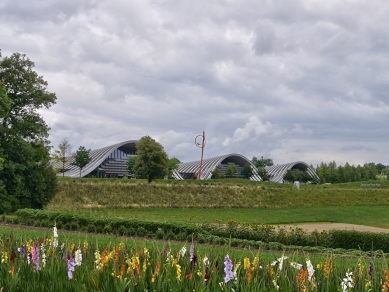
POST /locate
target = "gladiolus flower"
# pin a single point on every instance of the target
(228, 269)
(71, 266)
(78, 257)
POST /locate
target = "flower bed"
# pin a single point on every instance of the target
(51, 265)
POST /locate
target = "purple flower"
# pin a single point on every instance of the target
(371, 269)
(71, 265)
(22, 251)
(37, 267)
(35, 256)
(228, 269)
(166, 250)
(191, 251)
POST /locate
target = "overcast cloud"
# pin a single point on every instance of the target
(290, 80)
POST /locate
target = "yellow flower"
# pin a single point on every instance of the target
(121, 246)
(200, 274)
(255, 262)
(4, 257)
(86, 245)
(178, 267)
(246, 263)
(146, 252)
(72, 247)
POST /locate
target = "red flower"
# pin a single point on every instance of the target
(188, 276)
(11, 257)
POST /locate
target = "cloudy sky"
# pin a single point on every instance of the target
(290, 79)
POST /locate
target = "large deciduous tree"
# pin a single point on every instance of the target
(151, 161)
(81, 158)
(5, 104)
(28, 180)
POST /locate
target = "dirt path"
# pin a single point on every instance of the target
(335, 226)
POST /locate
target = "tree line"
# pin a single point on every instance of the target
(331, 173)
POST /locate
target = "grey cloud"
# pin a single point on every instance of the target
(354, 148)
(313, 72)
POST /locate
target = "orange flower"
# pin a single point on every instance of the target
(156, 272)
(116, 254)
(12, 269)
(121, 272)
(327, 268)
(249, 274)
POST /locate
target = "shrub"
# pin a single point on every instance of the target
(91, 228)
(160, 234)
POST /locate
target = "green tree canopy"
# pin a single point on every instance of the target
(151, 161)
(174, 163)
(5, 105)
(62, 154)
(216, 174)
(231, 170)
(27, 177)
(247, 172)
(81, 158)
(262, 173)
(262, 162)
(130, 164)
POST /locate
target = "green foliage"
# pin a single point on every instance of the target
(130, 164)
(62, 154)
(81, 158)
(151, 161)
(27, 177)
(129, 265)
(5, 102)
(231, 170)
(331, 173)
(253, 234)
(247, 172)
(262, 162)
(174, 163)
(297, 175)
(216, 174)
(262, 173)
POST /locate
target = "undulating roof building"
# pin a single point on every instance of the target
(190, 170)
(111, 161)
(276, 173)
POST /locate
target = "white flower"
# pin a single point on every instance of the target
(205, 261)
(347, 282)
(78, 257)
(183, 251)
(296, 265)
(310, 269)
(55, 235)
(280, 261)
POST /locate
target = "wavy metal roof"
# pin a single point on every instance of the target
(276, 173)
(210, 164)
(98, 157)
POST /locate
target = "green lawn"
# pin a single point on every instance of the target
(377, 216)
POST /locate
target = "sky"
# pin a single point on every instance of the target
(290, 80)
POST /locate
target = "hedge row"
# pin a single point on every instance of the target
(242, 234)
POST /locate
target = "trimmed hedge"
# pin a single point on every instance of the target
(233, 233)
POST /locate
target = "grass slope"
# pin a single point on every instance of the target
(121, 193)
